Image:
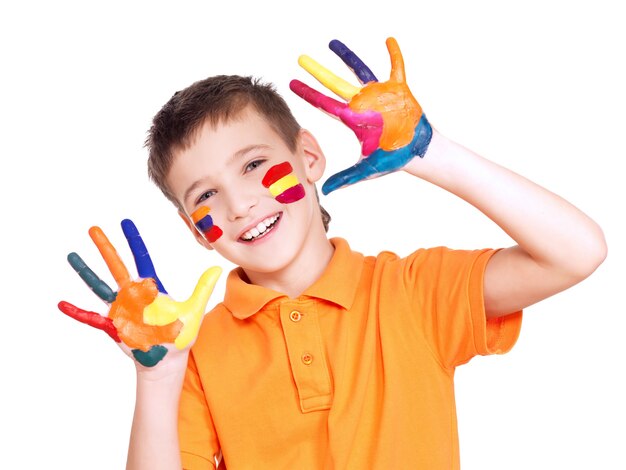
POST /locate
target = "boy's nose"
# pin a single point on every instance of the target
(239, 204)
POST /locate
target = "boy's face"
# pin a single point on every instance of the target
(225, 183)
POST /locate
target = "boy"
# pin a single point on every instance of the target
(320, 357)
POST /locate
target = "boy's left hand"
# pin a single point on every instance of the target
(386, 118)
(145, 322)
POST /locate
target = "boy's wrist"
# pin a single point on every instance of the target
(171, 371)
(436, 146)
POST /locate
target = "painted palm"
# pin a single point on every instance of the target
(142, 318)
(385, 117)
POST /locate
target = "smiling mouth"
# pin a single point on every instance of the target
(262, 229)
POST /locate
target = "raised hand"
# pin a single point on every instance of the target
(386, 118)
(142, 318)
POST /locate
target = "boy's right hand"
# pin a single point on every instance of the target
(142, 318)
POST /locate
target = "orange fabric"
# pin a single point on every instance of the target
(355, 373)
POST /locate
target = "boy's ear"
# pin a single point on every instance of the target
(196, 233)
(314, 159)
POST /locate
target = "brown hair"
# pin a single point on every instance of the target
(215, 99)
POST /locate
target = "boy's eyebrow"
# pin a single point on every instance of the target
(236, 156)
(249, 148)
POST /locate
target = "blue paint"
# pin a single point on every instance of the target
(352, 61)
(205, 223)
(382, 162)
(145, 267)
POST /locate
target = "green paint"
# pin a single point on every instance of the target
(96, 284)
(152, 357)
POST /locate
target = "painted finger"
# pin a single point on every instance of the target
(362, 71)
(331, 81)
(196, 306)
(164, 310)
(317, 99)
(145, 267)
(100, 288)
(367, 125)
(90, 318)
(397, 62)
(110, 256)
(360, 171)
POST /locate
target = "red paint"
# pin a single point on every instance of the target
(90, 318)
(367, 125)
(213, 234)
(293, 194)
(276, 172)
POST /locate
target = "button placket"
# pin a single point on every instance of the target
(306, 355)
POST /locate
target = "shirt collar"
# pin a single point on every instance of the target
(338, 284)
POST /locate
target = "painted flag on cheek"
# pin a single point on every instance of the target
(204, 222)
(283, 184)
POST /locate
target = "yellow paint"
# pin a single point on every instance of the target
(331, 81)
(127, 316)
(283, 184)
(164, 310)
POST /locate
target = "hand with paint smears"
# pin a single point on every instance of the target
(142, 318)
(386, 118)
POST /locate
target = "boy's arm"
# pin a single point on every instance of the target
(154, 433)
(154, 330)
(557, 244)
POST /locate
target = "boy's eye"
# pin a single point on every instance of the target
(253, 165)
(205, 196)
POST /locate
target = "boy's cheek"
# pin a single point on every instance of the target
(204, 223)
(283, 183)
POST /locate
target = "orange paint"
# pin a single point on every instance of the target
(198, 215)
(399, 109)
(110, 256)
(127, 315)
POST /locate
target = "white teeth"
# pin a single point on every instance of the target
(260, 228)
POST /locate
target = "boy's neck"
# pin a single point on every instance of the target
(300, 274)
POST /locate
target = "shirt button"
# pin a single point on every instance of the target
(307, 359)
(295, 316)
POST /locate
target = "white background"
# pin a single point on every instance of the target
(537, 86)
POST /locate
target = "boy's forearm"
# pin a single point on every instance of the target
(555, 238)
(154, 434)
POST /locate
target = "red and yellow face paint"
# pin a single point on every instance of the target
(204, 223)
(283, 183)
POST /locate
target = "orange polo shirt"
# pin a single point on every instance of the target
(356, 373)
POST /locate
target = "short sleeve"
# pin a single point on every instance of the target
(446, 290)
(197, 436)
(497, 335)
